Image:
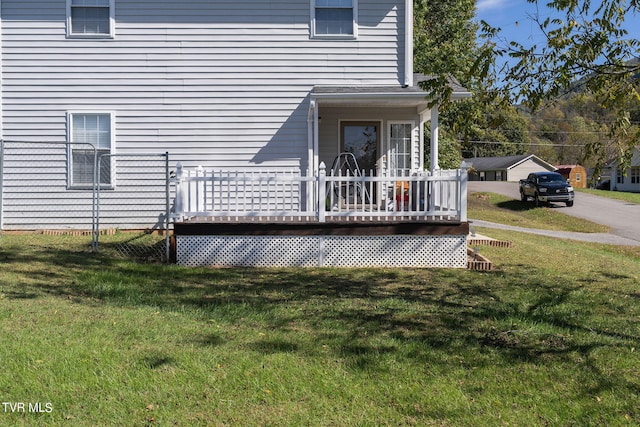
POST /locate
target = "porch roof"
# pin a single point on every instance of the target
(396, 96)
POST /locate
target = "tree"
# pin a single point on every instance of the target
(586, 49)
(448, 150)
(444, 43)
(446, 47)
(484, 130)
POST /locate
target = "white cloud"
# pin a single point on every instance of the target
(484, 5)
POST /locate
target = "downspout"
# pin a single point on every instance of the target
(408, 43)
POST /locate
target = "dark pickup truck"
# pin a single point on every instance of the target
(545, 187)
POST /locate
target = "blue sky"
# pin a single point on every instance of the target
(514, 19)
(512, 16)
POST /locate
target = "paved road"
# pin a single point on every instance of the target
(621, 217)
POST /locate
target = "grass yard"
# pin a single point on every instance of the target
(505, 210)
(619, 195)
(552, 337)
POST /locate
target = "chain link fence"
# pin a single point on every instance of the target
(138, 195)
(63, 187)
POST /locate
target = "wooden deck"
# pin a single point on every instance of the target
(301, 220)
(331, 228)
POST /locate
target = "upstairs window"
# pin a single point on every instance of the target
(90, 136)
(90, 18)
(334, 18)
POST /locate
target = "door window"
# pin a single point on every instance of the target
(361, 139)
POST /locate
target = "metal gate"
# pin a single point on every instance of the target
(75, 188)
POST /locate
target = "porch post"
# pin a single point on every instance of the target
(316, 136)
(179, 202)
(463, 191)
(311, 157)
(322, 192)
(434, 139)
(422, 121)
(311, 130)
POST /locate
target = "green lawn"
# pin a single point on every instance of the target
(551, 337)
(620, 195)
(505, 210)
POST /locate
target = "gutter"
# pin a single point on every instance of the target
(382, 96)
(456, 96)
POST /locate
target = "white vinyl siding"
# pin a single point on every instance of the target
(90, 18)
(334, 18)
(221, 84)
(628, 179)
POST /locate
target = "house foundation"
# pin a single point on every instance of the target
(333, 244)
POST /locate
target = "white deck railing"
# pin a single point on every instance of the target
(292, 196)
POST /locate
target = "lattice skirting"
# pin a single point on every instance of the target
(313, 251)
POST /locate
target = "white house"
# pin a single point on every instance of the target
(241, 85)
(629, 179)
(507, 168)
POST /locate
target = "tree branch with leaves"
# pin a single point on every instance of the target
(586, 49)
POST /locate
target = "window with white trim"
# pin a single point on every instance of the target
(91, 138)
(635, 175)
(90, 18)
(400, 149)
(332, 18)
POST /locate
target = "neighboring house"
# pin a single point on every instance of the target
(629, 179)
(576, 175)
(508, 168)
(242, 85)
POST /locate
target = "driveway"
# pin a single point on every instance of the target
(622, 218)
